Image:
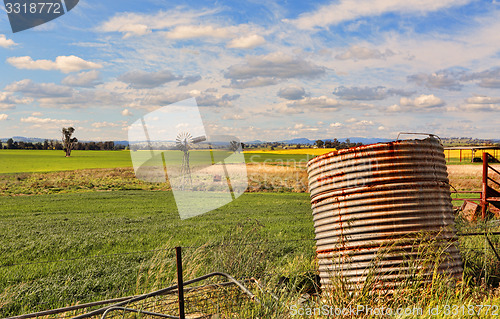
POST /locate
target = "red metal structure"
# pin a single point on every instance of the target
(488, 194)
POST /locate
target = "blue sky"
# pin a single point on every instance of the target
(258, 69)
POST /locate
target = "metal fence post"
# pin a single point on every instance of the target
(484, 203)
(180, 282)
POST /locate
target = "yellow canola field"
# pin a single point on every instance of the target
(454, 155)
(309, 151)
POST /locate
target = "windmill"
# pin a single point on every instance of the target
(184, 142)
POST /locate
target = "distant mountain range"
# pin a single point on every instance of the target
(306, 141)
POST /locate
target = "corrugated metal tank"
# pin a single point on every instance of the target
(372, 206)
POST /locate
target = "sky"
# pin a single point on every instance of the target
(266, 70)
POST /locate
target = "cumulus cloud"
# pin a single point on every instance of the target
(481, 99)
(189, 80)
(482, 103)
(345, 10)
(3, 117)
(247, 42)
(83, 79)
(9, 101)
(444, 79)
(197, 31)
(142, 79)
(65, 64)
(126, 112)
(45, 122)
(104, 124)
(234, 116)
(487, 78)
(6, 43)
(208, 99)
(368, 93)
(39, 90)
(321, 102)
(138, 24)
(254, 82)
(420, 103)
(361, 53)
(272, 68)
(292, 92)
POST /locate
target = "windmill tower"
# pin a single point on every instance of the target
(184, 142)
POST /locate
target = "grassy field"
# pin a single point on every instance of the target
(91, 231)
(23, 161)
(28, 161)
(45, 228)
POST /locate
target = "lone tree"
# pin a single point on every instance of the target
(68, 142)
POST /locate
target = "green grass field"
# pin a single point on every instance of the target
(22, 161)
(27, 161)
(43, 228)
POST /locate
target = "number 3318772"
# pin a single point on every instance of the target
(33, 7)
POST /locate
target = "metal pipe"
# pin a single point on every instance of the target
(137, 311)
(169, 289)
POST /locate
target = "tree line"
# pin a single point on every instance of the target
(56, 145)
(336, 144)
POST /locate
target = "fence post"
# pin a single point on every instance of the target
(484, 203)
(180, 282)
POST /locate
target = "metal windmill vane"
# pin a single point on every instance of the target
(184, 142)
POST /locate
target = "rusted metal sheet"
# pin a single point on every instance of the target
(373, 206)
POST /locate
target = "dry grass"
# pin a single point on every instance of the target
(469, 177)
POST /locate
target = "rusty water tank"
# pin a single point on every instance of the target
(371, 206)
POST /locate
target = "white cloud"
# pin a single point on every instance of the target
(83, 79)
(422, 101)
(6, 43)
(361, 53)
(346, 10)
(336, 125)
(321, 102)
(138, 24)
(126, 112)
(9, 101)
(253, 82)
(351, 120)
(233, 117)
(39, 90)
(292, 92)
(104, 124)
(247, 42)
(36, 114)
(381, 128)
(65, 64)
(274, 65)
(3, 117)
(481, 99)
(195, 31)
(47, 122)
(142, 79)
(482, 103)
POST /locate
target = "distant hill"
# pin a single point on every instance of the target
(307, 141)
